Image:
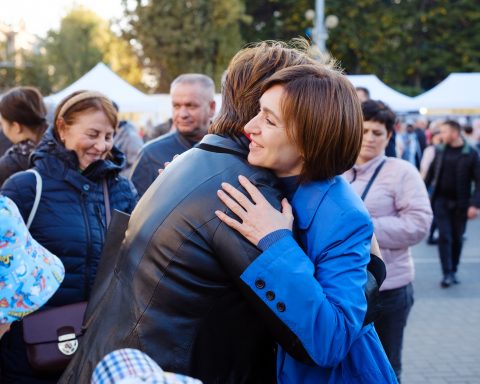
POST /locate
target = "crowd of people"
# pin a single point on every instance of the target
(276, 247)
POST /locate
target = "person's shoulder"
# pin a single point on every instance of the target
(21, 179)
(343, 195)
(123, 184)
(159, 142)
(333, 199)
(21, 187)
(394, 165)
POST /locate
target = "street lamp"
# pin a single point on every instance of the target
(321, 24)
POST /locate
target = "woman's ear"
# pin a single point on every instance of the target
(17, 128)
(389, 135)
(60, 125)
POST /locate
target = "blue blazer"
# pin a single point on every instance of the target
(318, 289)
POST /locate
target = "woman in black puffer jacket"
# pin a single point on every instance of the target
(76, 160)
(23, 118)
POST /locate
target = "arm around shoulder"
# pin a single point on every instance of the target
(319, 296)
(236, 253)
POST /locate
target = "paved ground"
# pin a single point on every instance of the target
(442, 343)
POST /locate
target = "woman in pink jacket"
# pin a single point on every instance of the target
(397, 200)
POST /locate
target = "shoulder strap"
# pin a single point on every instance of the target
(213, 148)
(372, 179)
(106, 199)
(38, 194)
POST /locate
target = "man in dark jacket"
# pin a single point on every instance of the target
(450, 177)
(193, 107)
(176, 291)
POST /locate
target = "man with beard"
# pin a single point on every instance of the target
(193, 107)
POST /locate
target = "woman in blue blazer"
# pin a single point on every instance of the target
(308, 132)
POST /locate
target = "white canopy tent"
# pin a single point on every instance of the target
(102, 79)
(380, 91)
(458, 93)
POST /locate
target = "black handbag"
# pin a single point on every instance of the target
(52, 337)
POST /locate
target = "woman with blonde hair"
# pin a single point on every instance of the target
(81, 186)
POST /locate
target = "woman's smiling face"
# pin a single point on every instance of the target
(90, 136)
(270, 145)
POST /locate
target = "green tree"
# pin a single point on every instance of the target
(278, 20)
(185, 36)
(76, 47)
(410, 44)
(7, 69)
(36, 71)
(119, 54)
(83, 40)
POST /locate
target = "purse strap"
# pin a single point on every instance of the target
(372, 179)
(38, 195)
(106, 198)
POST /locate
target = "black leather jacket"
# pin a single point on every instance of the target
(176, 292)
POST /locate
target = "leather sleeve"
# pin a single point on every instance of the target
(236, 254)
(376, 274)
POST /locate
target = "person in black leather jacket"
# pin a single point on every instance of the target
(176, 292)
(76, 161)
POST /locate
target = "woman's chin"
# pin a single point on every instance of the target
(253, 160)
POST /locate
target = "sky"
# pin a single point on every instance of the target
(42, 15)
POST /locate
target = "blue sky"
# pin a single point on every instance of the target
(42, 15)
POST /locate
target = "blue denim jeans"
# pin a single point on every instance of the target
(395, 307)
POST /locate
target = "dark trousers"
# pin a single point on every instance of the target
(451, 222)
(395, 307)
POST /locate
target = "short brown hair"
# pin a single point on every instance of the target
(242, 83)
(97, 102)
(323, 117)
(25, 106)
(378, 111)
(453, 125)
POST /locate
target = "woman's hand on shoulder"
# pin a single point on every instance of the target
(258, 218)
